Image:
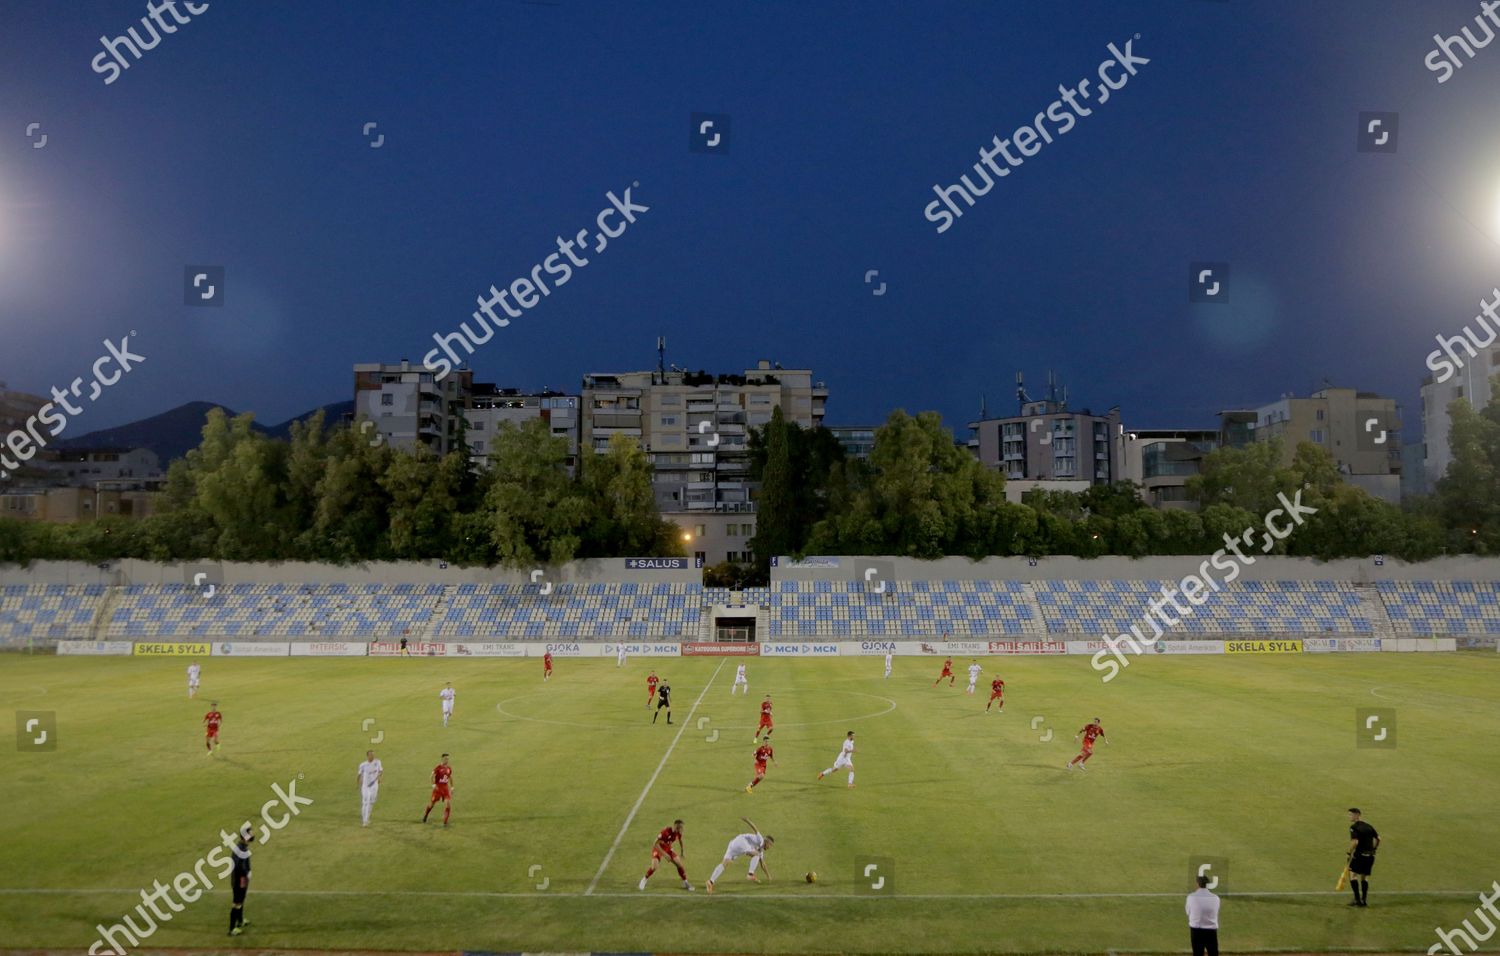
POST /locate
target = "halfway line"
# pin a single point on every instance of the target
(649, 783)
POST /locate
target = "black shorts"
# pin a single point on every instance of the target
(1362, 863)
(663, 702)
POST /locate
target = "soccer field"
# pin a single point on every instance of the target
(985, 842)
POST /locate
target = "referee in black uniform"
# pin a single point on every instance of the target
(663, 699)
(1363, 842)
(239, 880)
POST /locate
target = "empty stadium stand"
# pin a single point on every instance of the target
(1062, 606)
(48, 611)
(606, 609)
(270, 610)
(1244, 607)
(1449, 608)
(831, 609)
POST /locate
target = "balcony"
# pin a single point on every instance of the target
(617, 419)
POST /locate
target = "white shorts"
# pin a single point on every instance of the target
(447, 707)
(844, 760)
(192, 683)
(739, 847)
(368, 794)
(741, 680)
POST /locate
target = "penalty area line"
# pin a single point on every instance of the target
(652, 782)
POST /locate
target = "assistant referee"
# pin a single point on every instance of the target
(239, 880)
(1363, 842)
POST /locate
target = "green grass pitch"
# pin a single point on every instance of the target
(987, 843)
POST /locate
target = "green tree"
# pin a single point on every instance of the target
(622, 515)
(423, 493)
(777, 509)
(234, 478)
(534, 511)
(1247, 478)
(350, 519)
(1469, 493)
(922, 496)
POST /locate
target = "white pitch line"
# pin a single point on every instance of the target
(753, 895)
(650, 783)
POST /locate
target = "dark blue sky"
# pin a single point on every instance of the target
(239, 142)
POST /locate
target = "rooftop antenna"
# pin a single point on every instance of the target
(984, 410)
(661, 358)
(1021, 395)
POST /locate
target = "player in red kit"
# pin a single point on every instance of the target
(762, 754)
(1090, 733)
(997, 692)
(947, 672)
(651, 683)
(211, 722)
(547, 666)
(663, 848)
(766, 723)
(442, 789)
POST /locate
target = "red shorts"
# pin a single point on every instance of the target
(650, 692)
(211, 732)
(998, 695)
(946, 673)
(760, 770)
(765, 721)
(659, 851)
(546, 667)
(441, 792)
(1088, 747)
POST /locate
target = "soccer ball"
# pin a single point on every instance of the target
(810, 877)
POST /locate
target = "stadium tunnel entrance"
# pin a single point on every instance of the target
(738, 630)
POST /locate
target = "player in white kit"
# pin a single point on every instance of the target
(974, 670)
(620, 656)
(740, 681)
(369, 785)
(888, 663)
(750, 844)
(447, 697)
(193, 671)
(844, 759)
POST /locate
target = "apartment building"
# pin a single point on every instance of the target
(1161, 460)
(1049, 442)
(86, 467)
(409, 407)
(694, 426)
(1361, 431)
(488, 406)
(857, 441)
